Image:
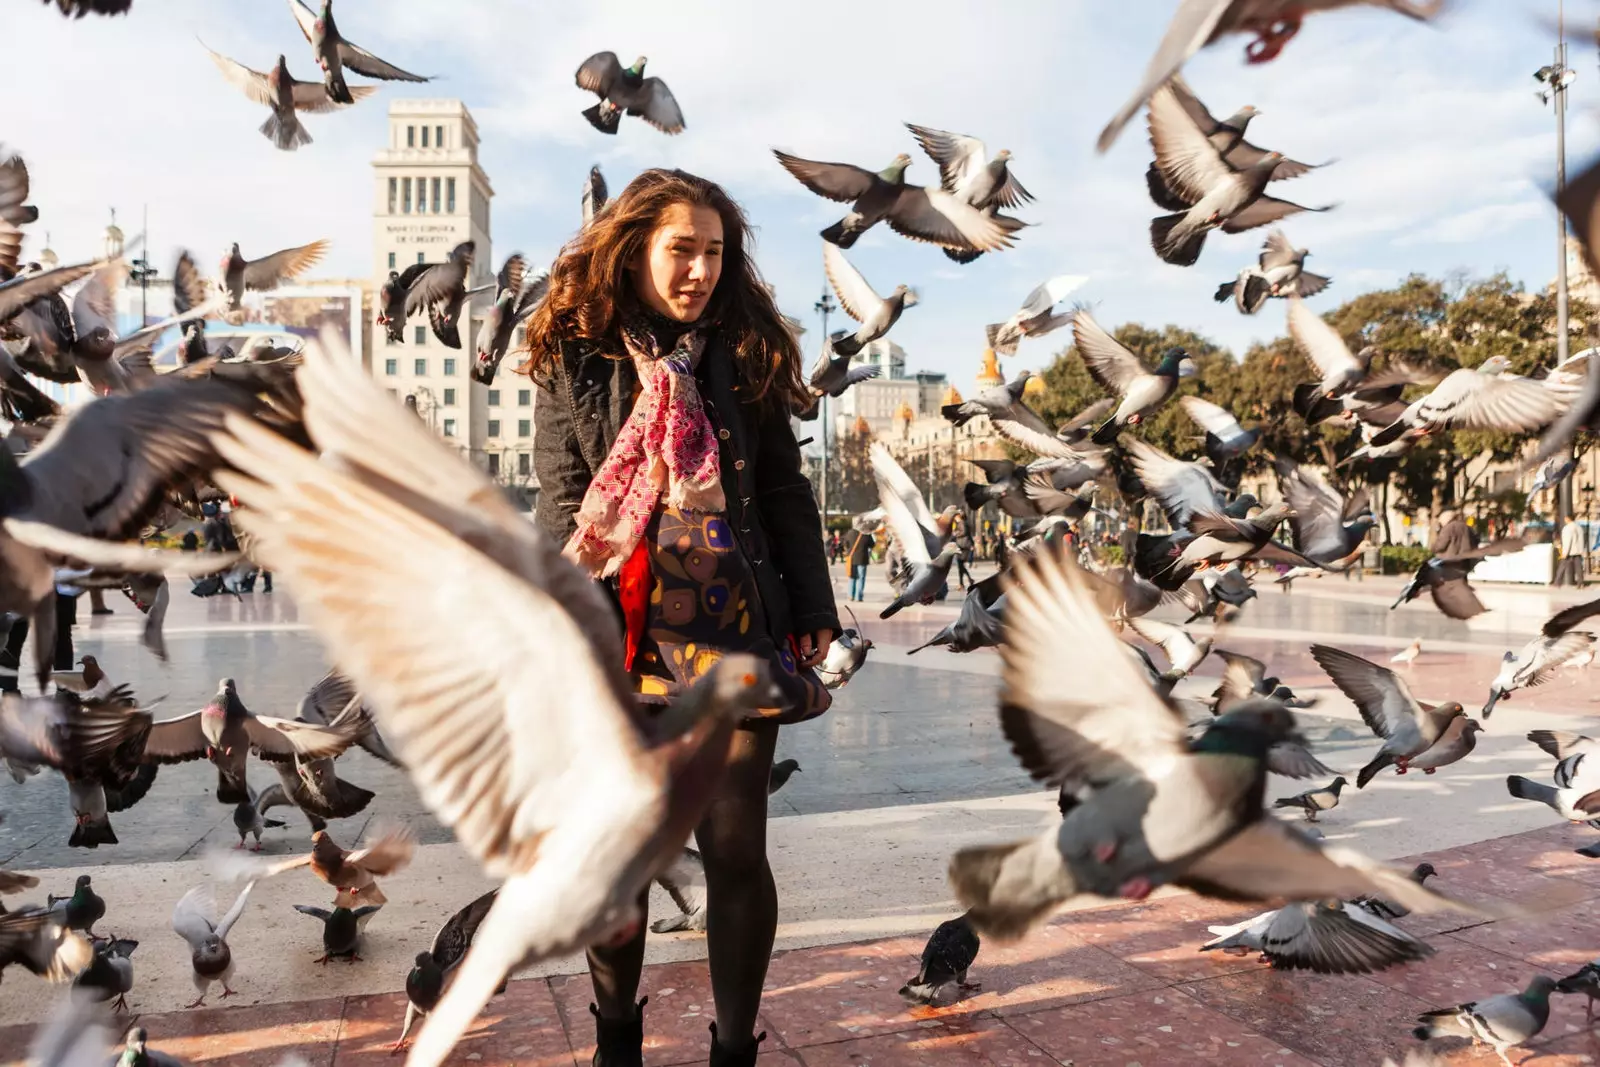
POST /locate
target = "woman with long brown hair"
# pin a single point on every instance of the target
(668, 468)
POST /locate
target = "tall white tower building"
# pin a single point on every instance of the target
(429, 195)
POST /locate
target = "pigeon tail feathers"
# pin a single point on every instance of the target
(1008, 888)
(1366, 774)
(841, 233)
(1106, 432)
(846, 345)
(965, 256)
(1527, 789)
(975, 495)
(1182, 252)
(92, 834)
(602, 118)
(285, 132)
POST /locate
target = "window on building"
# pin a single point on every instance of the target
(449, 398)
(449, 427)
(411, 137)
(494, 427)
(422, 196)
(524, 397)
(524, 464)
(391, 367)
(449, 367)
(419, 367)
(419, 257)
(438, 137)
(450, 195)
(494, 398)
(394, 195)
(524, 427)
(494, 464)
(436, 196)
(391, 254)
(424, 137)
(420, 335)
(405, 196)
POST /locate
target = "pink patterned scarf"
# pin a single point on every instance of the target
(666, 449)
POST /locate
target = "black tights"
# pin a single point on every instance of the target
(741, 900)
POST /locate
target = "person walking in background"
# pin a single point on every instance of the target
(1569, 571)
(835, 547)
(1454, 537)
(860, 556)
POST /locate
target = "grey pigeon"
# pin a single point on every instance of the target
(1220, 538)
(1314, 800)
(1213, 192)
(1483, 398)
(1183, 489)
(1225, 439)
(441, 290)
(194, 919)
(833, 374)
(781, 772)
(1069, 445)
(1585, 980)
(515, 299)
(1279, 272)
(1444, 578)
(846, 656)
(1575, 794)
(1556, 643)
(998, 400)
(249, 815)
(41, 943)
(1183, 650)
(1454, 745)
(1552, 472)
(1226, 136)
(1037, 315)
(1388, 909)
(341, 930)
(334, 54)
(334, 695)
(876, 314)
(1146, 806)
(685, 882)
(268, 272)
(82, 909)
(967, 172)
(595, 194)
(1119, 372)
(1003, 487)
(1327, 526)
(392, 302)
(1325, 936)
(109, 975)
(432, 967)
(285, 95)
(1198, 23)
(929, 560)
(1501, 1022)
(950, 951)
(979, 623)
(1407, 726)
(626, 89)
(917, 212)
(640, 793)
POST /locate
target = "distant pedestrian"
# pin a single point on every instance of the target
(1454, 538)
(191, 541)
(860, 556)
(1569, 571)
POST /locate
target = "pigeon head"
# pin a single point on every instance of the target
(895, 172)
(1250, 729)
(1338, 783)
(1172, 361)
(1003, 155)
(740, 684)
(82, 883)
(424, 959)
(1540, 988)
(1494, 365)
(638, 66)
(908, 296)
(136, 1038)
(1472, 726)
(1449, 711)
(1423, 872)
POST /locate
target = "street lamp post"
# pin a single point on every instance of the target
(824, 307)
(1556, 77)
(141, 271)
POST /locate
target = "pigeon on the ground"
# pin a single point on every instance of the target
(967, 172)
(268, 272)
(1408, 655)
(1314, 800)
(1557, 643)
(595, 194)
(1408, 727)
(626, 89)
(109, 975)
(1445, 579)
(552, 761)
(194, 919)
(249, 815)
(1575, 796)
(950, 951)
(1389, 909)
(1184, 652)
(1482, 398)
(515, 299)
(1119, 372)
(1501, 1022)
(913, 527)
(1198, 23)
(876, 314)
(341, 930)
(978, 624)
(432, 968)
(1279, 272)
(685, 882)
(1585, 980)
(442, 292)
(914, 211)
(1324, 936)
(334, 53)
(285, 95)
(82, 909)
(41, 943)
(1149, 807)
(1327, 526)
(845, 656)
(779, 776)
(1225, 438)
(1037, 315)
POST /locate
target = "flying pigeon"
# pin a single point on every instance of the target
(1408, 727)
(334, 54)
(595, 194)
(353, 873)
(1575, 796)
(515, 299)
(1037, 315)
(1445, 579)
(41, 943)
(78, 8)
(1501, 1022)
(268, 272)
(1225, 438)
(951, 949)
(341, 930)
(1198, 23)
(876, 314)
(1314, 800)
(554, 760)
(1183, 651)
(109, 974)
(284, 95)
(978, 624)
(432, 968)
(833, 374)
(1226, 136)
(1325, 936)
(1279, 272)
(1183, 489)
(627, 89)
(1482, 398)
(442, 291)
(914, 211)
(927, 556)
(195, 920)
(1147, 806)
(334, 695)
(999, 400)
(1119, 372)
(1557, 643)
(392, 302)
(1221, 538)
(1552, 472)
(1327, 526)
(967, 172)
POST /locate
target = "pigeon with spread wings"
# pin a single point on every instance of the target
(1556, 644)
(195, 920)
(1118, 371)
(268, 272)
(876, 314)
(441, 290)
(1280, 271)
(1227, 137)
(285, 95)
(1037, 315)
(925, 552)
(515, 300)
(1407, 726)
(334, 54)
(967, 172)
(1445, 579)
(626, 89)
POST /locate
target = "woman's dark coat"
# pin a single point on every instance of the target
(578, 413)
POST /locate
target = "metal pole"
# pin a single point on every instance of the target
(144, 275)
(823, 307)
(1564, 501)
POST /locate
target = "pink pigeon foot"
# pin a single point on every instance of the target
(1136, 888)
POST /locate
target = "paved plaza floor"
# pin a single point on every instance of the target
(908, 766)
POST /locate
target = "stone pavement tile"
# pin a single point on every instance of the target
(1555, 941)
(1163, 936)
(257, 1036)
(839, 992)
(1334, 1019)
(1480, 875)
(1569, 1051)
(1161, 1029)
(519, 1027)
(976, 1041)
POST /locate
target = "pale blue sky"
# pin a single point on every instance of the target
(1443, 153)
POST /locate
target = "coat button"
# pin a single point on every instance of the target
(595, 416)
(724, 434)
(588, 381)
(738, 464)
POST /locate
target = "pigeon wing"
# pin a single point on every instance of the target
(1262, 210)
(324, 701)
(1562, 621)
(95, 304)
(856, 295)
(1321, 343)
(1292, 760)
(364, 62)
(843, 182)
(268, 272)
(1380, 695)
(940, 218)
(1317, 514)
(961, 159)
(1455, 598)
(661, 108)
(313, 96)
(1184, 489)
(450, 944)
(194, 917)
(1185, 156)
(1331, 937)
(600, 74)
(903, 507)
(389, 852)
(1110, 363)
(1191, 27)
(1212, 417)
(281, 739)
(252, 83)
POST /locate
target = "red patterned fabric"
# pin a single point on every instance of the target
(633, 590)
(666, 450)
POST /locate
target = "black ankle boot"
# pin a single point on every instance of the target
(725, 1057)
(619, 1042)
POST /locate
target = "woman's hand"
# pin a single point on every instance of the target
(814, 647)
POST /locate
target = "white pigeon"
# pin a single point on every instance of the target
(194, 918)
(1409, 654)
(513, 716)
(1482, 398)
(1036, 317)
(876, 314)
(1183, 650)
(1328, 937)
(1556, 644)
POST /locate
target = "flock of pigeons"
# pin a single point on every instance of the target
(566, 793)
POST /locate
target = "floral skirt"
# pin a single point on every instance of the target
(703, 605)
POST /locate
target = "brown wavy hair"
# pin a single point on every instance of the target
(590, 289)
